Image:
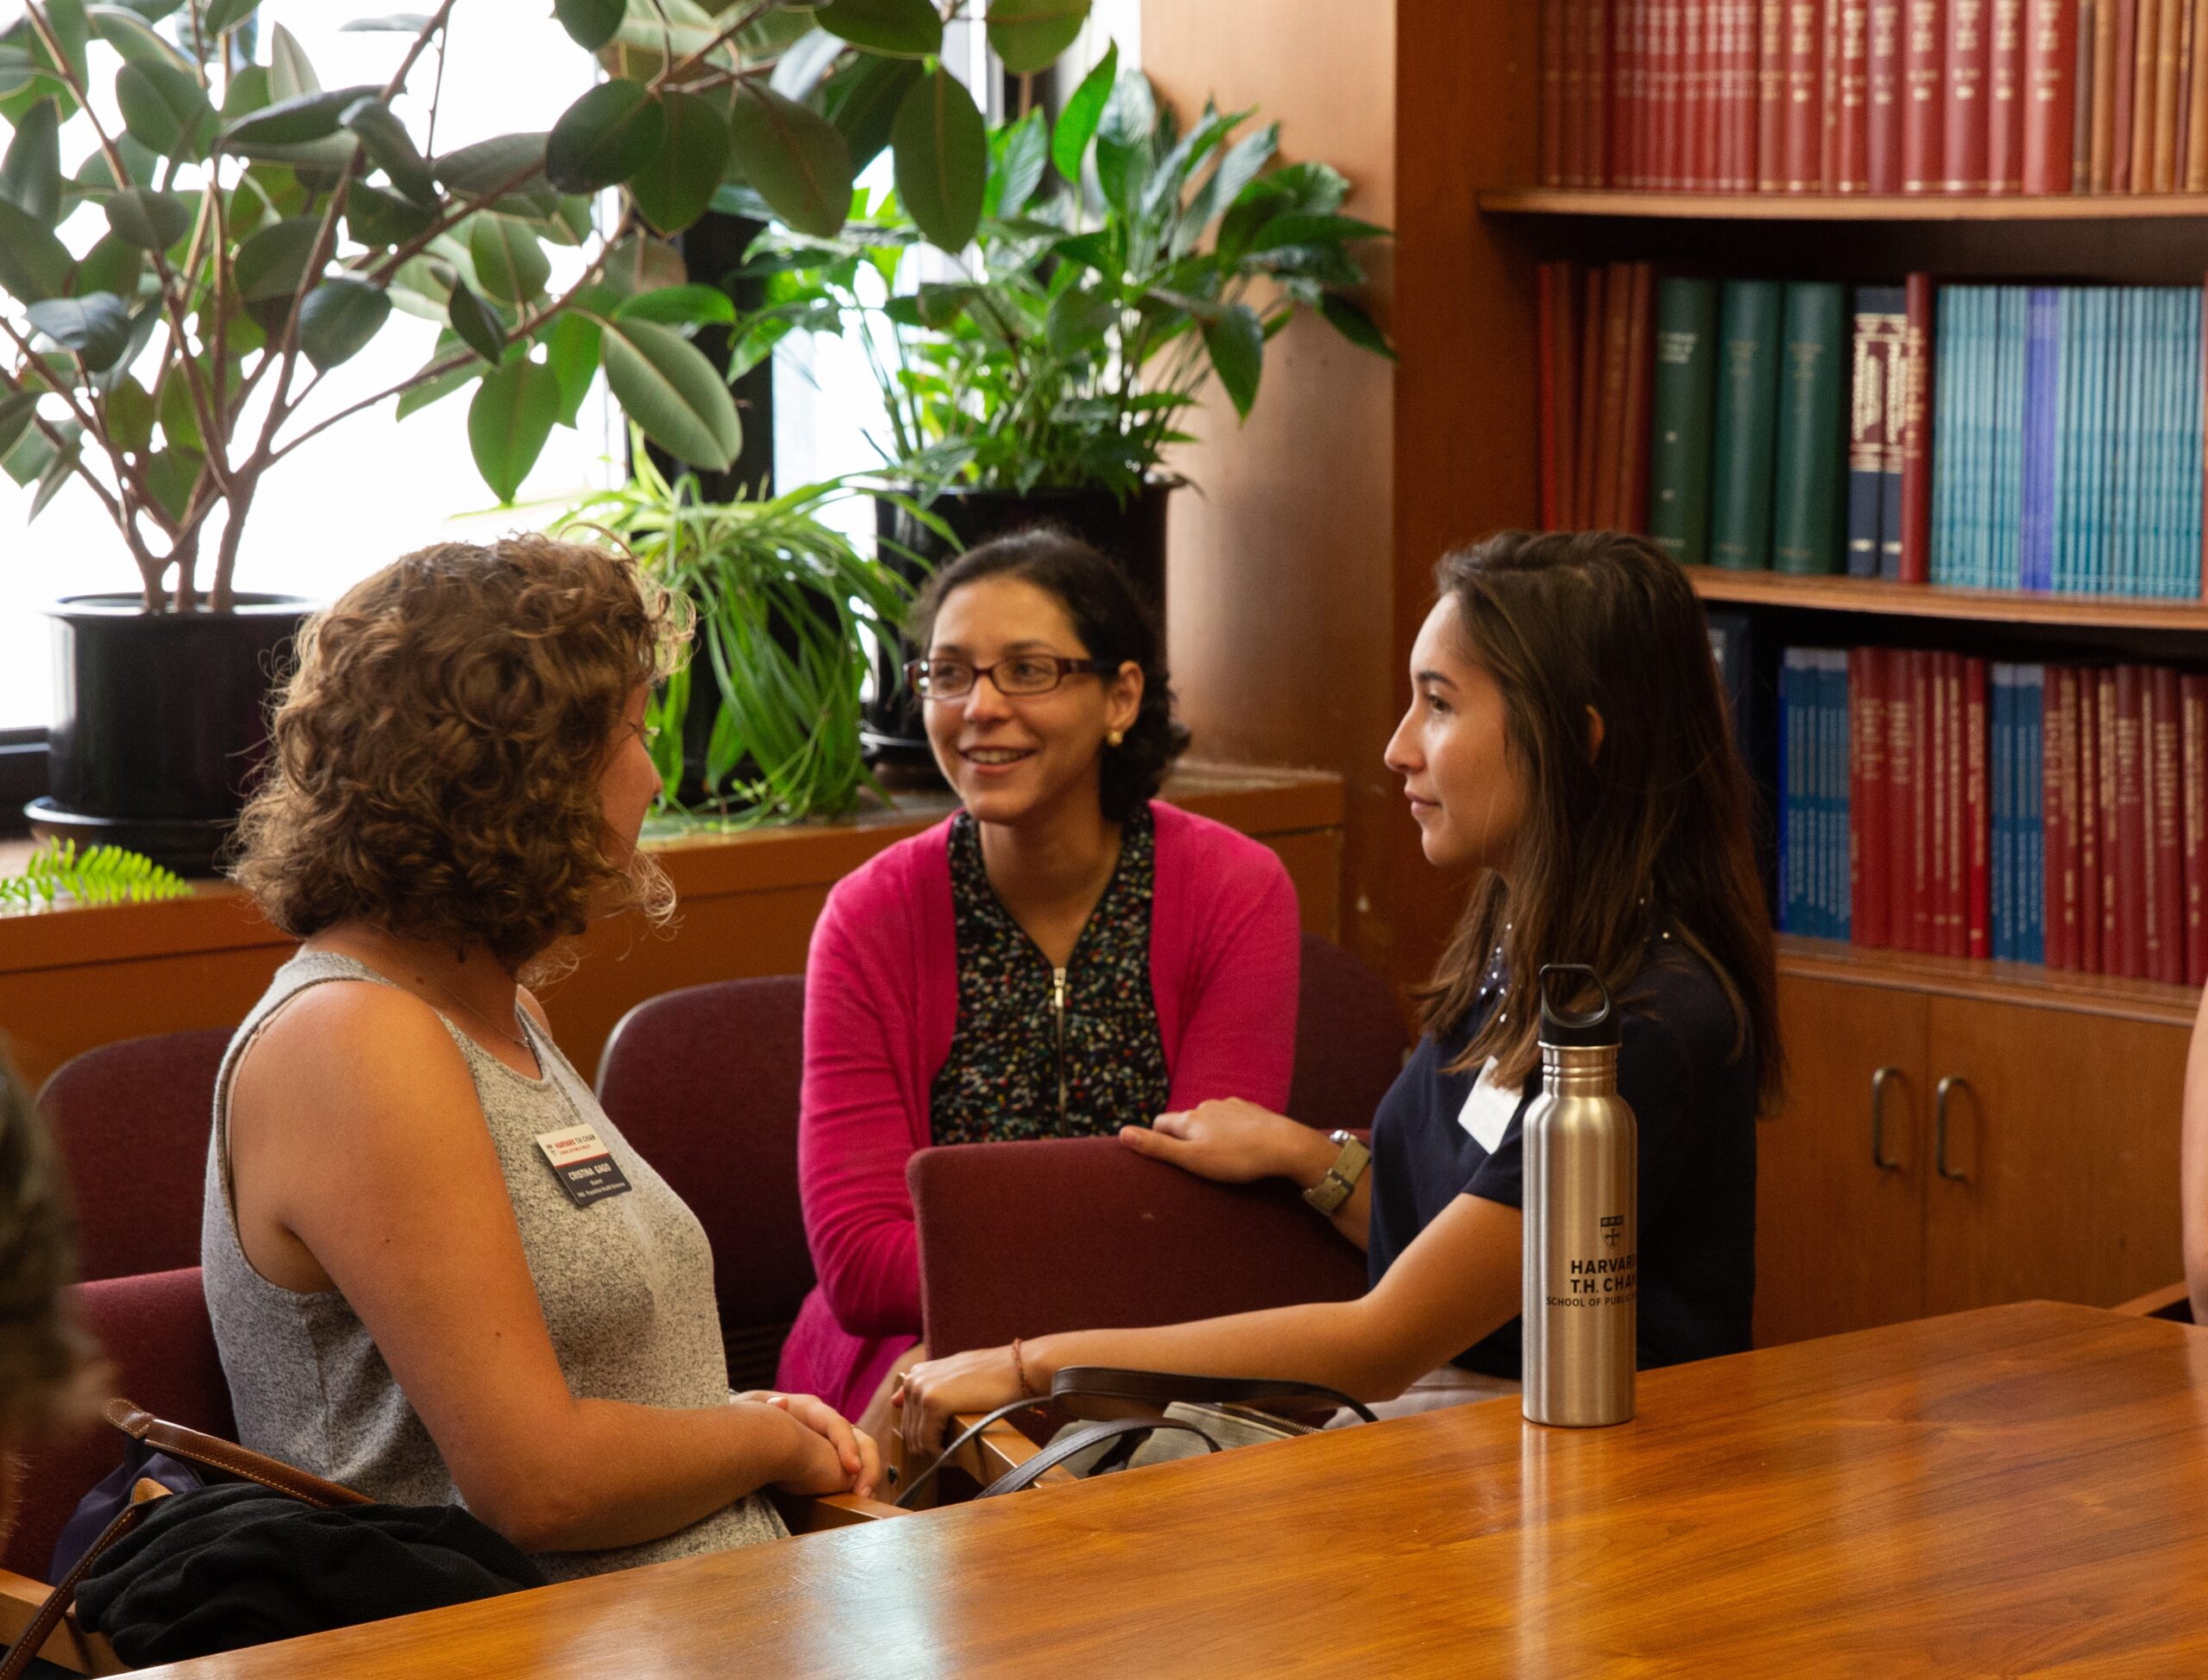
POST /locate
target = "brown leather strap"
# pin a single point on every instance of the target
(228, 1458)
(1096, 1391)
(1079, 1439)
(57, 1601)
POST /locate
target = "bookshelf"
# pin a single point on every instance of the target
(2027, 1117)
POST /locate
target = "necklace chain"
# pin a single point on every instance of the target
(451, 996)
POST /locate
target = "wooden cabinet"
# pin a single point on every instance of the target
(2055, 1175)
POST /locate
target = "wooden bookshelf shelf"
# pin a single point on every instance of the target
(1985, 981)
(1916, 600)
(1823, 207)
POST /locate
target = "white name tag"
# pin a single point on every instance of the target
(582, 1164)
(1486, 1113)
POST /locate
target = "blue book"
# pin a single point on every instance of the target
(1985, 570)
(2063, 468)
(2030, 716)
(2189, 475)
(1867, 419)
(2091, 575)
(1843, 900)
(2115, 394)
(2153, 440)
(1946, 342)
(2041, 456)
(2013, 335)
(1793, 767)
(2124, 454)
(2000, 680)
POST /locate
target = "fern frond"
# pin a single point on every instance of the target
(103, 874)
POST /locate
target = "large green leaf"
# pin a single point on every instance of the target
(19, 69)
(1123, 135)
(415, 398)
(292, 121)
(1298, 230)
(151, 221)
(246, 91)
(942, 151)
(270, 266)
(128, 414)
(169, 474)
(673, 190)
(796, 159)
(1021, 154)
(1077, 321)
(34, 264)
(1027, 34)
(862, 97)
(512, 413)
(338, 319)
(391, 148)
(508, 161)
(289, 73)
(165, 109)
(30, 174)
(605, 137)
(476, 323)
(113, 263)
(680, 306)
(172, 403)
(1349, 318)
(903, 28)
(1236, 339)
(380, 219)
(131, 35)
(1078, 121)
(16, 408)
(71, 27)
(509, 264)
(590, 23)
(58, 468)
(666, 386)
(571, 352)
(95, 327)
(220, 15)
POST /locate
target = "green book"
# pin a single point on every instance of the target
(1682, 410)
(1747, 369)
(1807, 508)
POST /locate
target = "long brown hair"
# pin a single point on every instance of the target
(1652, 830)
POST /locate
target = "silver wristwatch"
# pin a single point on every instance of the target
(1331, 1191)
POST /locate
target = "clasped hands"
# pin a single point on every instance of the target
(828, 1454)
(1226, 1140)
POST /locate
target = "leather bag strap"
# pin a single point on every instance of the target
(59, 1601)
(228, 1458)
(1079, 1440)
(1087, 1391)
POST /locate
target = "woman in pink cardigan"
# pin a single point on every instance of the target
(1063, 957)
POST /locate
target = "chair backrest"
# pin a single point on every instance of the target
(1350, 1040)
(704, 1083)
(132, 1120)
(161, 1348)
(1075, 1233)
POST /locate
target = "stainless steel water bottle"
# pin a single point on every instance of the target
(1582, 1218)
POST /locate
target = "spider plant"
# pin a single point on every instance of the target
(784, 603)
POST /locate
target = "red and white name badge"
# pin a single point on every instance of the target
(583, 1165)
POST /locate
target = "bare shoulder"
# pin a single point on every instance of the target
(342, 1049)
(536, 1010)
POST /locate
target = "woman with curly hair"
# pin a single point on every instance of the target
(438, 1272)
(1065, 956)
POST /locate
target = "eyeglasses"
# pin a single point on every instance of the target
(1023, 673)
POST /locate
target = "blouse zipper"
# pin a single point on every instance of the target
(1058, 1008)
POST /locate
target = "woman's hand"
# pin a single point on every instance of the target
(937, 1390)
(1229, 1140)
(828, 1455)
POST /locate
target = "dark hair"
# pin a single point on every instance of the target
(1113, 623)
(49, 1368)
(1653, 825)
(434, 760)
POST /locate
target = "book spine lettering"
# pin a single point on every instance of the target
(1867, 434)
(2050, 62)
(1977, 867)
(2004, 104)
(2059, 779)
(1886, 89)
(1802, 170)
(1917, 463)
(2127, 790)
(1684, 416)
(1770, 80)
(1597, 143)
(2192, 758)
(1808, 509)
(2163, 738)
(1851, 157)
(2122, 76)
(1964, 121)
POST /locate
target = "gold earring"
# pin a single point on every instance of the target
(1112, 737)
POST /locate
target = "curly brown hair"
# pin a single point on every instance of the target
(435, 756)
(50, 1371)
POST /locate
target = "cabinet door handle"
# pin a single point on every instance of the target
(1879, 1080)
(1947, 1086)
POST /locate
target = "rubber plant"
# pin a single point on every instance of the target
(244, 230)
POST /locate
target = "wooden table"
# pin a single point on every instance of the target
(2022, 1489)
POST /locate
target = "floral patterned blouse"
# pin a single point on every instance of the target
(1043, 1053)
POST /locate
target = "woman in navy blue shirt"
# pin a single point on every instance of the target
(1566, 742)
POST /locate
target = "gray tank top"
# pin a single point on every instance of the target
(625, 1282)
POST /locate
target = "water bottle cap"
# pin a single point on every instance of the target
(1594, 1029)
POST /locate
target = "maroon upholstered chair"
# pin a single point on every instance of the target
(131, 1120)
(162, 1350)
(704, 1083)
(1075, 1233)
(1349, 1040)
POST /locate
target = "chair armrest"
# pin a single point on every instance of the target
(2172, 1300)
(803, 1515)
(66, 1647)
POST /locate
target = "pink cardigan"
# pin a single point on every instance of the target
(882, 1002)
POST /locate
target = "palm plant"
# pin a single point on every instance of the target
(784, 602)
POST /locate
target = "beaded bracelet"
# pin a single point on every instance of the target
(1020, 1370)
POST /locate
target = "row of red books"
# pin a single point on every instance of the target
(1593, 332)
(1876, 95)
(2106, 769)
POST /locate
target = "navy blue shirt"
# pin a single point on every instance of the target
(1696, 1106)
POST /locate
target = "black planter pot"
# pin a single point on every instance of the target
(159, 723)
(1132, 534)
